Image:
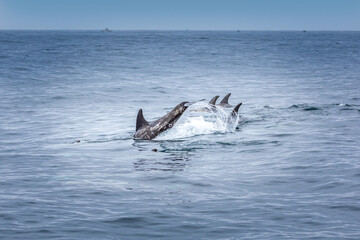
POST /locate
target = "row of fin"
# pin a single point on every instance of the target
(140, 120)
(224, 102)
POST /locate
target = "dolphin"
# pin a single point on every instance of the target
(213, 100)
(225, 102)
(236, 109)
(233, 115)
(150, 130)
(207, 109)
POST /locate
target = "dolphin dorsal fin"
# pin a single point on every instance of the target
(236, 108)
(213, 100)
(225, 99)
(140, 120)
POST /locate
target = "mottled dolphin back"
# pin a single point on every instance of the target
(181, 107)
(146, 130)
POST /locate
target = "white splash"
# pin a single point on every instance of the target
(200, 119)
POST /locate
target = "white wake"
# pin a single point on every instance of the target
(200, 118)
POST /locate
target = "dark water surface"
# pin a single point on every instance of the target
(70, 169)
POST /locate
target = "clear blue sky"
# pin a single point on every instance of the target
(181, 14)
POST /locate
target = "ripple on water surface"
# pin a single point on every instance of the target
(286, 167)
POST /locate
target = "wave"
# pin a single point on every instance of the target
(203, 119)
(305, 107)
(317, 107)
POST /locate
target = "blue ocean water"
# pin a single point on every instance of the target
(70, 169)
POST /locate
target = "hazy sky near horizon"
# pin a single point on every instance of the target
(181, 14)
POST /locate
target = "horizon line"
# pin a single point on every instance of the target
(228, 30)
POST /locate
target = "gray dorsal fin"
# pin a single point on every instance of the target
(213, 100)
(225, 99)
(140, 120)
(236, 108)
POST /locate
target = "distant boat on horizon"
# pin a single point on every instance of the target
(106, 30)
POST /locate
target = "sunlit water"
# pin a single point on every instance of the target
(288, 168)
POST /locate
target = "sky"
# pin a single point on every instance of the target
(180, 14)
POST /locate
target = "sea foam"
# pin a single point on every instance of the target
(199, 119)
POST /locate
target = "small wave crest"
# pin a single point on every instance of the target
(200, 119)
(306, 107)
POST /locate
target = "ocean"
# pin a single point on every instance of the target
(288, 169)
